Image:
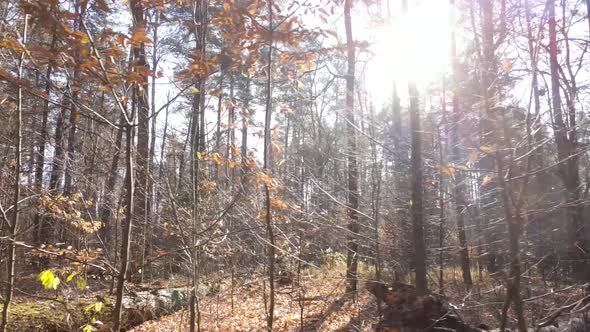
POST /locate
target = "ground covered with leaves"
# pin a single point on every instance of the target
(316, 301)
(320, 305)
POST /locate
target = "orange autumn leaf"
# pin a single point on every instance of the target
(448, 169)
(275, 148)
(139, 36)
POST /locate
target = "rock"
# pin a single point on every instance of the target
(150, 304)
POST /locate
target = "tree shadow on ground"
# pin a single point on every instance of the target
(363, 317)
(314, 322)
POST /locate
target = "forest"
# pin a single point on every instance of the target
(294, 165)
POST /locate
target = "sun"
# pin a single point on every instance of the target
(413, 47)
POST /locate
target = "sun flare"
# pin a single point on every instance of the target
(413, 46)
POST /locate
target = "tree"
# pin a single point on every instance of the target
(417, 209)
(13, 226)
(566, 142)
(267, 170)
(459, 192)
(353, 173)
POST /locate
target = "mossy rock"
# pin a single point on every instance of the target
(53, 316)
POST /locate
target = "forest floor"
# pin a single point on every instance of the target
(320, 304)
(316, 303)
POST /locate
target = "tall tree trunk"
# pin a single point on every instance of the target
(514, 230)
(59, 151)
(401, 249)
(417, 209)
(41, 233)
(13, 227)
(73, 141)
(161, 161)
(231, 119)
(376, 179)
(488, 194)
(535, 134)
(267, 170)
(219, 108)
(459, 185)
(441, 201)
(140, 90)
(127, 226)
(245, 123)
(568, 158)
(150, 161)
(353, 190)
(195, 317)
(110, 199)
(197, 141)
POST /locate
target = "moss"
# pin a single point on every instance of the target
(51, 316)
(41, 316)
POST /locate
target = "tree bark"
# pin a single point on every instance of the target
(197, 141)
(353, 191)
(488, 72)
(59, 153)
(459, 185)
(417, 192)
(13, 227)
(110, 199)
(514, 230)
(566, 143)
(142, 211)
(245, 123)
(267, 170)
(41, 232)
(75, 85)
(127, 226)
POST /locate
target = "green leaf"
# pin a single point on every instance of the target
(71, 276)
(95, 307)
(89, 307)
(88, 328)
(81, 282)
(48, 279)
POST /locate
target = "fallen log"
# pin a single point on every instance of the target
(406, 311)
